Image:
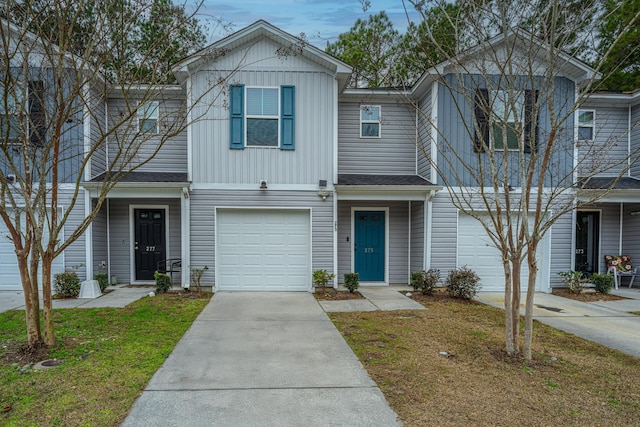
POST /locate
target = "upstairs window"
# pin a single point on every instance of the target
(370, 121)
(262, 117)
(506, 119)
(11, 102)
(19, 115)
(586, 125)
(148, 117)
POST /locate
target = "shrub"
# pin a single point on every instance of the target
(602, 282)
(196, 275)
(103, 280)
(322, 278)
(163, 282)
(425, 281)
(351, 281)
(66, 284)
(573, 280)
(462, 283)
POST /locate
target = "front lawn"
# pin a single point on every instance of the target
(445, 366)
(109, 356)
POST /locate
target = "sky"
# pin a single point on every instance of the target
(320, 20)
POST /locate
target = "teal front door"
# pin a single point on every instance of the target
(369, 245)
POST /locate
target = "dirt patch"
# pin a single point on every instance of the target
(330, 294)
(439, 296)
(23, 354)
(586, 296)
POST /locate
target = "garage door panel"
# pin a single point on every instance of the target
(263, 249)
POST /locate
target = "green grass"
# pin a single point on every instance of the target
(109, 356)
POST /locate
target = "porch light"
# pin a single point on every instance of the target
(323, 195)
(263, 185)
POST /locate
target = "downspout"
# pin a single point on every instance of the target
(109, 240)
(409, 242)
(88, 239)
(185, 223)
(621, 228)
(335, 181)
(428, 223)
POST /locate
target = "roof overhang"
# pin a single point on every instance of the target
(386, 192)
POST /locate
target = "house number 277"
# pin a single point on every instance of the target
(151, 248)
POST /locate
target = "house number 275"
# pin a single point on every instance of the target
(368, 250)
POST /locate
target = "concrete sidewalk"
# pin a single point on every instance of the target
(606, 322)
(262, 359)
(382, 298)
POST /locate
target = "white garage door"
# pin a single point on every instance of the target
(9, 272)
(263, 250)
(476, 251)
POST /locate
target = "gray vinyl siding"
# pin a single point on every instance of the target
(631, 235)
(398, 255)
(607, 155)
(561, 247)
(417, 236)
(609, 232)
(97, 130)
(394, 153)
(75, 256)
(99, 237)
(121, 239)
(171, 157)
(444, 231)
(456, 108)
(425, 126)
(635, 140)
(315, 103)
(204, 203)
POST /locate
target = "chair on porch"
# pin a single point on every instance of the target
(170, 266)
(620, 266)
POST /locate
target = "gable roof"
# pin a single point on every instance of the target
(568, 65)
(255, 31)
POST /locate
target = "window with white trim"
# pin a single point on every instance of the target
(148, 117)
(262, 117)
(370, 122)
(586, 125)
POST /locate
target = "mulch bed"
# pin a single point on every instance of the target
(586, 296)
(330, 294)
(439, 295)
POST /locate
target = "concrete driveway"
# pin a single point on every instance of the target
(262, 359)
(606, 322)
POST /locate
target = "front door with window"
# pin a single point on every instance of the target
(587, 242)
(149, 242)
(369, 245)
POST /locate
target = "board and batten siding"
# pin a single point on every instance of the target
(398, 254)
(121, 239)
(425, 126)
(607, 154)
(635, 138)
(315, 103)
(394, 153)
(205, 202)
(171, 157)
(97, 130)
(417, 236)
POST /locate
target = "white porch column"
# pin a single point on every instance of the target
(185, 228)
(88, 238)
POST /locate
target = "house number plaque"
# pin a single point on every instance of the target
(151, 248)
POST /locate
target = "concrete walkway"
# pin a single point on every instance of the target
(267, 359)
(606, 322)
(383, 298)
(120, 297)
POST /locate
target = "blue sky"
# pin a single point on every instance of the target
(320, 20)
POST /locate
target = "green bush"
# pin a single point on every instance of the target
(163, 282)
(66, 284)
(103, 280)
(351, 281)
(602, 282)
(574, 281)
(425, 281)
(322, 278)
(462, 283)
(196, 276)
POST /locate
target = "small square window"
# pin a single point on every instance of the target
(148, 117)
(586, 125)
(370, 121)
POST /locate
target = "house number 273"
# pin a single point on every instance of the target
(151, 248)
(368, 250)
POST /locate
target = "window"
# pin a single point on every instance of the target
(369, 121)
(501, 120)
(262, 117)
(586, 125)
(148, 117)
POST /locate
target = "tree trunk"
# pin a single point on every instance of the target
(508, 290)
(49, 336)
(31, 304)
(515, 304)
(528, 316)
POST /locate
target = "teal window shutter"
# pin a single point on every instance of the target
(236, 108)
(287, 117)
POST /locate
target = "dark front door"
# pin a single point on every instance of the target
(150, 241)
(369, 245)
(587, 242)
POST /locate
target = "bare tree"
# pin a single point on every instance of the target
(509, 154)
(55, 126)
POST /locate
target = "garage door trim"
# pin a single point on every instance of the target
(306, 210)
